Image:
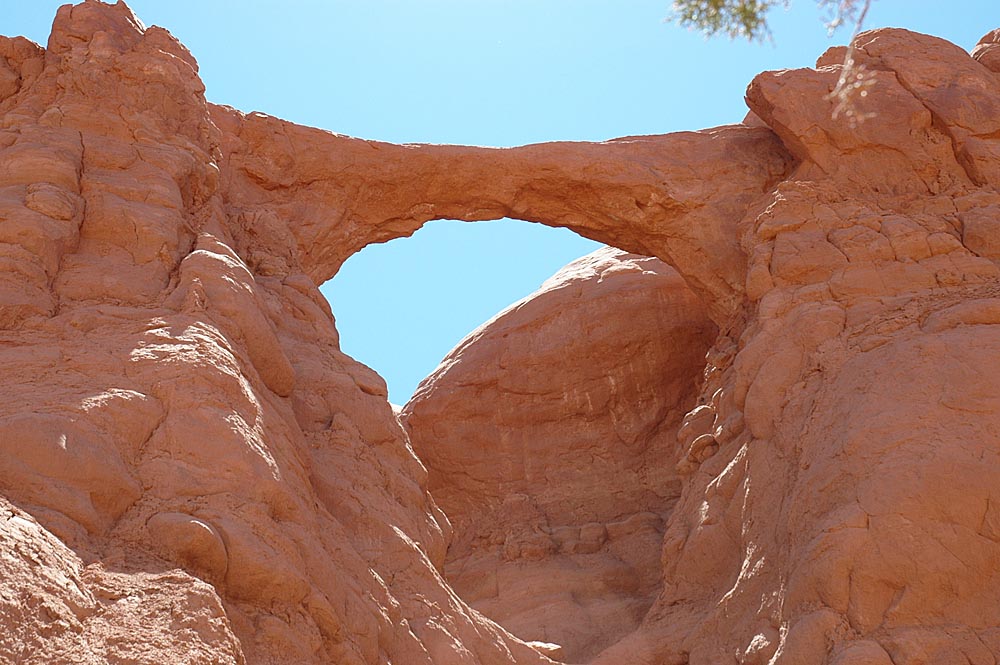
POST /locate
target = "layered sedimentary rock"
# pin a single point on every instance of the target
(193, 470)
(550, 437)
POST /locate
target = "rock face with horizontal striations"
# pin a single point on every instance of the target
(193, 472)
(550, 438)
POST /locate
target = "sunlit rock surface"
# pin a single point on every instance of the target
(550, 437)
(193, 472)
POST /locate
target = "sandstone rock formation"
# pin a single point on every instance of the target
(174, 397)
(55, 609)
(850, 520)
(194, 472)
(676, 196)
(550, 437)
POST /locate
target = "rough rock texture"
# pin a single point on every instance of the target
(55, 609)
(852, 519)
(193, 470)
(676, 196)
(550, 440)
(174, 396)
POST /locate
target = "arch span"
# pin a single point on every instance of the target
(677, 197)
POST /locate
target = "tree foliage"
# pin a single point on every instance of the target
(734, 18)
(747, 19)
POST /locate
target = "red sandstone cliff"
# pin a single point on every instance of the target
(550, 437)
(193, 472)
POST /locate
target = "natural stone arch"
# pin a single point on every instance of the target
(156, 298)
(677, 197)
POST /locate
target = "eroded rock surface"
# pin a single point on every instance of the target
(550, 437)
(676, 196)
(174, 398)
(853, 512)
(188, 458)
(53, 608)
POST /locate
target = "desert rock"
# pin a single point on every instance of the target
(179, 414)
(587, 378)
(193, 471)
(55, 608)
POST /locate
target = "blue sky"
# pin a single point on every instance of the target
(483, 72)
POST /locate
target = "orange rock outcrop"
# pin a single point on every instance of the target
(193, 472)
(550, 437)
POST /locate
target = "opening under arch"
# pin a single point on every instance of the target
(550, 438)
(401, 306)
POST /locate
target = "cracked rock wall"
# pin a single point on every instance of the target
(846, 515)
